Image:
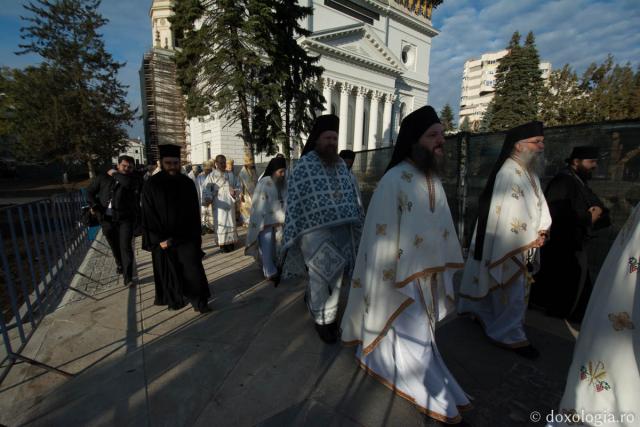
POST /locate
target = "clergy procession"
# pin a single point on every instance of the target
(381, 281)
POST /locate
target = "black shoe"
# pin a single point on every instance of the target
(276, 281)
(119, 269)
(528, 352)
(327, 333)
(204, 309)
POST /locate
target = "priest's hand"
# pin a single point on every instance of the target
(540, 241)
(596, 213)
(165, 244)
(112, 172)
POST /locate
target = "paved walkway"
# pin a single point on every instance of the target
(255, 360)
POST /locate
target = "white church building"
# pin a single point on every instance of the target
(375, 56)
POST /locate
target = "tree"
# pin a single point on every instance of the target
(607, 91)
(244, 62)
(564, 102)
(300, 72)
(87, 112)
(518, 85)
(487, 118)
(188, 38)
(446, 117)
(7, 101)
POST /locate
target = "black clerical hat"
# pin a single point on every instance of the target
(322, 124)
(275, 164)
(411, 129)
(169, 150)
(527, 130)
(584, 152)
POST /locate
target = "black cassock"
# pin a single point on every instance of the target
(563, 285)
(170, 210)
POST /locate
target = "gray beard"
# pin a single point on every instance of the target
(534, 162)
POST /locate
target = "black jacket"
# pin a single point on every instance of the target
(569, 200)
(123, 191)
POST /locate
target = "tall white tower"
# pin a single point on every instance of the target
(160, 26)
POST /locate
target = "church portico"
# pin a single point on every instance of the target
(375, 61)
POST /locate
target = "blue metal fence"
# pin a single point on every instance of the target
(41, 244)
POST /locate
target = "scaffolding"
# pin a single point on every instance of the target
(163, 104)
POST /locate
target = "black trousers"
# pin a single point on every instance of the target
(120, 237)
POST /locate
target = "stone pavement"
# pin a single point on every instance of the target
(255, 360)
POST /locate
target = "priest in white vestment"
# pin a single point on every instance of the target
(205, 197)
(223, 187)
(604, 377)
(402, 281)
(513, 221)
(264, 237)
(248, 180)
(323, 224)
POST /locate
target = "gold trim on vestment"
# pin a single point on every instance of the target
(512, 253)
(382, 333)
(436, 416)
(504, 285)
(426, 272)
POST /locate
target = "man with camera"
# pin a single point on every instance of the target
(114, 198)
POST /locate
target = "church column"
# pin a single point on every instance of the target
(358, 128)
(327, 86)
(373, 120)
(344, 115)
(386, 120)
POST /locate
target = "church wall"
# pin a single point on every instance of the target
(200, 132)
(326, 18)
(401, 36)
(229, 144)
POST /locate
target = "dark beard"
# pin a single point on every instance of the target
(279, 182)
(328, 154)
(426, 161)
(584, 174)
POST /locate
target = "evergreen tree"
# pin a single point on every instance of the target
(186, 13)
(244, 62)
(564, 102)
(487, 117)
(446, 117)
(299, 73)
(87, 112)
(518, 85)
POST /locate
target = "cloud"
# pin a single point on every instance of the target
(577, 32)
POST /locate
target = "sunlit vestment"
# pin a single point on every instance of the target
(401, 286)
(496, 288)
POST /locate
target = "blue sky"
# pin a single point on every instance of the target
(576, 32)
(127, 36)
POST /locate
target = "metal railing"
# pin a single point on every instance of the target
(41, 246)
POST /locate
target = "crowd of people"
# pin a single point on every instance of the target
(395, 264)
